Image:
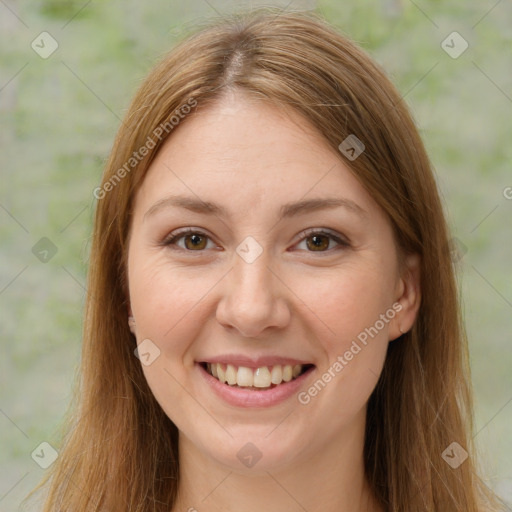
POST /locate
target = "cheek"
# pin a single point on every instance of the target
(348, 301)
(352, 312)
(166, 301)
(353, 309)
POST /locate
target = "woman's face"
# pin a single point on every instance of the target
(268, 278)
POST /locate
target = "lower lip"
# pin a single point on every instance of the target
(240, 397)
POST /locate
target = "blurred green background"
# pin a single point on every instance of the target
(58, 118)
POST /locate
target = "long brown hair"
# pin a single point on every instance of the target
(120, 451)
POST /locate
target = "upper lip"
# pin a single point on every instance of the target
(253, 362)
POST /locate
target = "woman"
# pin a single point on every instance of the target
(272, 318)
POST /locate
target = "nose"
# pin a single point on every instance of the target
(254, 298)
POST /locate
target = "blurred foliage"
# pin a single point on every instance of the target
(61, 9)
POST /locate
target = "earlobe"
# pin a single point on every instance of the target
(131, 319)
(408, 296)
(131, 323)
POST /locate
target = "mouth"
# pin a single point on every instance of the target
(256, 379)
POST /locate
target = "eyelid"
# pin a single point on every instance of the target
(339, 238)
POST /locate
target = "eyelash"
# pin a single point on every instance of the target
(173, 237)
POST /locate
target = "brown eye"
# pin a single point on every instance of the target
(318, 242)
(194, 241)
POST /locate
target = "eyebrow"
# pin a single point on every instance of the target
(286, 211)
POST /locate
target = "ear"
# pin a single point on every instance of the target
(131, 320)
(408, 296)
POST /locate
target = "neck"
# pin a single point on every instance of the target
(330, 480)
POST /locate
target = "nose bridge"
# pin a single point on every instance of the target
(251, 272)
(254, 298)
(253, 279)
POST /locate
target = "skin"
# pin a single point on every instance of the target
(292, 300)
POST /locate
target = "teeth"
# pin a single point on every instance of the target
(262, 377)
(276, 375)
(221, 375)
(244, 377)
(231, 375)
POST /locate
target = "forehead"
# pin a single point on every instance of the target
(247, 154)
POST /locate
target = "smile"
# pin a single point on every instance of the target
(261, 378)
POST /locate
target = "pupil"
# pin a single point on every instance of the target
(194, 240)
(317, 241)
